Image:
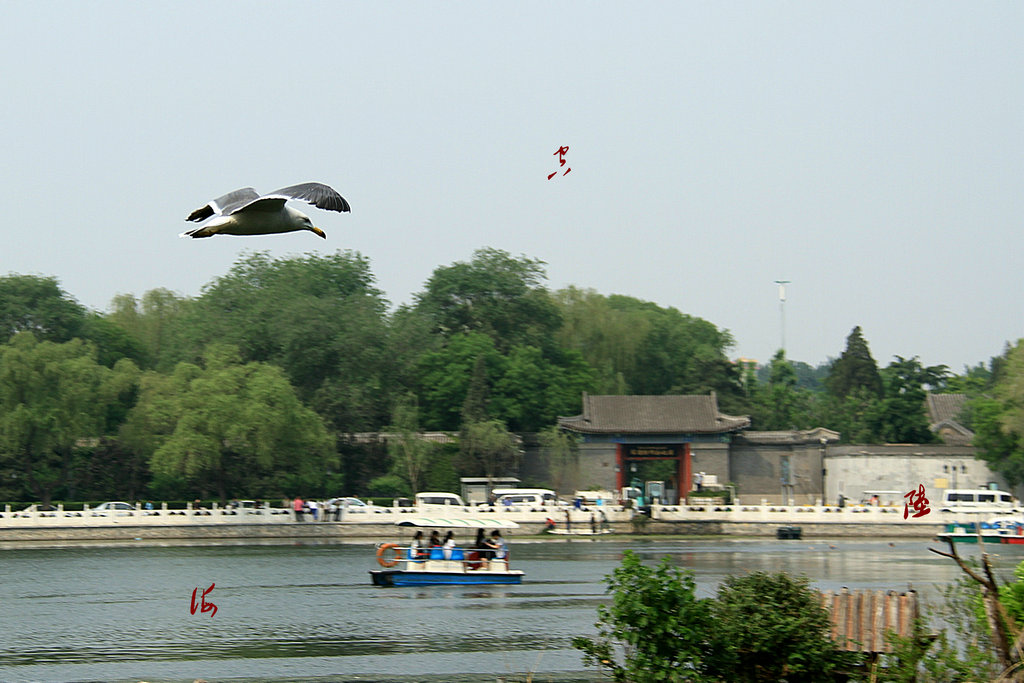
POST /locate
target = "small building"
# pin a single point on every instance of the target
(636, 440)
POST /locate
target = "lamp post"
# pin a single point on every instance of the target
(782, 311)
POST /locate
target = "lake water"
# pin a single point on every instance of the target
(307, 611)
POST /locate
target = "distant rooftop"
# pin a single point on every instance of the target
(687, 414)
(944, 415)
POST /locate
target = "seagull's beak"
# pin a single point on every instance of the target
(318, 231)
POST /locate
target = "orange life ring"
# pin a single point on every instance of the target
(389, 561)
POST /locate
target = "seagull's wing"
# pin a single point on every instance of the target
(319, 195)
(225, 205)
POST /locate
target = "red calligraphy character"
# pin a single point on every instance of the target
(561, 160)
(917, 501)
(203, 605)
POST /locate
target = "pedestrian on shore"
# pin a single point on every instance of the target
(314, 510)
(297, 507)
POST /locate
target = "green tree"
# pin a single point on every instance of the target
(639, 347)
(52, 398)
(902, 417)
(769, 627)
(782, 404)
(657, 622)
(495, 294)
(446, 375)
(533, 390)
(855, 416)
(560, 452)
(488, 449)
(854, 370)
(160, 321)
(962, 649)
(608, 336)
(320, 318)
(526, 389)
(230, 428)
(410, 453)
(998, 418)
(760, 627)
(29, 303)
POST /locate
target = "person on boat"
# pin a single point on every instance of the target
(435, 539)
(483, 551)
(416, 546)
(499, 545)
(449, 545)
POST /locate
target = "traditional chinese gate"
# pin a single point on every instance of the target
(625, 454)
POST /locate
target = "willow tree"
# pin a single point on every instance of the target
(54, 397)
(410, 452)
(488, 448)
(230, 428)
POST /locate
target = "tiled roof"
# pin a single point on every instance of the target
(945, 407)
(652, 415)
(944, 417)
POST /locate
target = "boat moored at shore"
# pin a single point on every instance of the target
(1002, 530)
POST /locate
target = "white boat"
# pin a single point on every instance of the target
(401, 566)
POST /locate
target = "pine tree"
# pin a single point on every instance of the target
(855, 369)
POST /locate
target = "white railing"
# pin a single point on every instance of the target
(794, 514)
(163, 516)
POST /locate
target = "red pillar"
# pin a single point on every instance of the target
(685, 475)
(620, 471)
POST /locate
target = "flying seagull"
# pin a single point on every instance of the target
(246, 212)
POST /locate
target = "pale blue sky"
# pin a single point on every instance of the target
(870, 152)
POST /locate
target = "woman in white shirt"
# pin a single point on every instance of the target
(449, 545)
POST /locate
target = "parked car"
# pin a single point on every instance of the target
(432, 499)
(114, 507)
(354, 505)
(525, 498)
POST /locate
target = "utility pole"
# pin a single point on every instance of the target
(782, 311)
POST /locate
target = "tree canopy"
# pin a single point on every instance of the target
(227, 426)
(484, 343)
(760, 627)
(855, 370)
(52, 397)
(997, 416)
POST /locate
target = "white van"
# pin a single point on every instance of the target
(429, 499)
(525, 498)
(977, 500)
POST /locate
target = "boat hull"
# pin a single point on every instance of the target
(419, 577)
(1005, 531)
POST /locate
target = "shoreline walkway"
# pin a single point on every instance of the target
(727, 520)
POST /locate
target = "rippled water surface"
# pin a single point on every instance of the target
(306, 611)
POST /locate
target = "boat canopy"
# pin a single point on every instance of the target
(461, 523)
